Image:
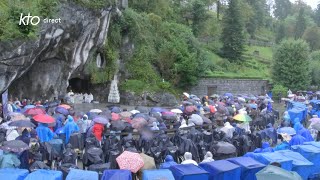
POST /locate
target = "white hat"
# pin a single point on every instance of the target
(186, 94)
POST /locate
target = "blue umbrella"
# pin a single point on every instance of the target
(253, 106)
(62, 110)
(158, 109)
(288, 130)
(101, 120)
(115, 109)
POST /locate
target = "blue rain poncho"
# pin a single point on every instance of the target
(69, 128)
(44, 133)
(297, 140)
(168, 162)
(9, 160)
(265, 148)
(303, 132)
(282, 146)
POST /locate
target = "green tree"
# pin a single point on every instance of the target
(280, 34)
(316, 16)
(199, 16)
(291, 65)
(282, 9)
(232, 35)
(314, 67)
(300, 25)
(312, 36)
(257, 19)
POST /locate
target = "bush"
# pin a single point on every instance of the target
(279, 89)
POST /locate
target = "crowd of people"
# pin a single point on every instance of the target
(58, 136)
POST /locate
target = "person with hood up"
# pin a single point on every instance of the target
(297, 140)
(208, 157)
(25, 137)
(168, 162)
(83, 124)
(44, 133)
(69, 128)
(284, 145)
(154, 127)
(303, 131)
(228, 129)
(97, 130)
(265, 148)
(188, 159)
(9, 160)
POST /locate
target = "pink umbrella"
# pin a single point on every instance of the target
(130, 161)
(314, 120)
(138, 123)
(190, 109)
(115, 117)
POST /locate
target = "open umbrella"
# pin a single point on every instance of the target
(22, 123)
(17, 146)
(138, 122)
(95, 110)
(242, 117)
(34, 111)
(274, 172)
(115, 117)
(134, 111)
(130, 161)
(44, 118)
(101, 120)
(286, 130)
(177, 111)
(126, 114)
(190, 109)
(225, 148)
(158, 109)
(62, 110)
(186, 103)
(66, 106)
(117, 125)
(148, 162)
(15, 116)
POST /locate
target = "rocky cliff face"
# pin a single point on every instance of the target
(41, 68)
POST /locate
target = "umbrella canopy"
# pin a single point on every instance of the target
(115, 117)
(191, 109)
(130, 161)
(178, 111)
(225, 148)
(17, 146)
(138, 123)
(134, 111)
(271, 172)
(242, 117)
(15, 116)
(95, 110)
(286, 130)
(22, 123)
(53, 104)
(62, 110)
(148, 162)
(101, 120)
(44, 118)
(34, 111)
(315, 126)
(66, 106)
(29, 106)
(314, 120)
(126, 114)
(117, 125)
(158, 109)
(186, 103)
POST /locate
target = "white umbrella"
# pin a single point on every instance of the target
(134, 111)
(96, 110)
(178, 111)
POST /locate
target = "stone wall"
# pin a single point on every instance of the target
(209, 86)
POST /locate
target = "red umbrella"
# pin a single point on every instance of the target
(44, 118)
(66, 106)
(130, 161)
(34, 111)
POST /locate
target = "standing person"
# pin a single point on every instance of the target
(44, 133)
(9, 107)
(83, 124)
(69, 128)
(97, 130)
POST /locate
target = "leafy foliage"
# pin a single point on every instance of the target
(291, 65)
(279, 89)
(314, 67)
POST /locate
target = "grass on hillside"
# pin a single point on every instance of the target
(253, 67)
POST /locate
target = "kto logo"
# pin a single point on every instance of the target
(25, 20)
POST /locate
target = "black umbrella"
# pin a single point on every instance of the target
(117, 125)
(142, 109)
(22, 123)
(17, 146)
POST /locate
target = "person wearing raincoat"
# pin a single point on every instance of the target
(208, 157)
(44, 133)
(284, 145)
(265, 148)
(188, 159)
(297, 140)
(9, 160)
(97, 130)
(303, 132)
(69, 128)
(154, 126)
(168, 161)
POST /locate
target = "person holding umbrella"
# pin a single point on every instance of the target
(44, 133)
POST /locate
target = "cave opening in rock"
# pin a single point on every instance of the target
(78, 85)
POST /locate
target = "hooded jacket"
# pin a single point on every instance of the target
(97, 130)
(188, 159)
(303, 132)
(168, 162)
(44, 133)
(208, 157)
(69, 128)
(265, 148)
(297, 140)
